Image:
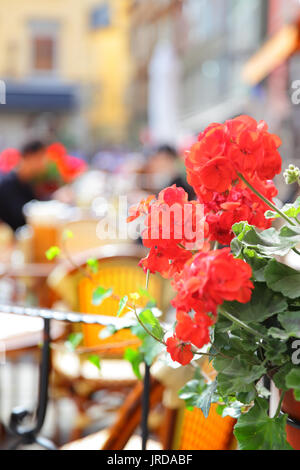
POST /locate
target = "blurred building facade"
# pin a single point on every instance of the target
(66, 67)
(208, 40)
(211, 41)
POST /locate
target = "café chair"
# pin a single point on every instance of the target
(73, 375)
(180, 428)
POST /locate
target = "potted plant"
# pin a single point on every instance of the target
(236, 301)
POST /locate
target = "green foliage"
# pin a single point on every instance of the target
(293, 382)
(108, 331)
(100, 294)
(73, 341)
(291, 323)
(95, 360)
(93, 264)
(122, 305)
(283, 279)
(264, 304)
(135, 358)
(198, 394)
(267, 242)
(291, 210)
(255, 430)
(52, 253)
(150, 348)
(152, 323)
(238, 375)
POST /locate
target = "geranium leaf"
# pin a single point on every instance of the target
(267, 242)
(264, 304)
(279, 378)
(237, 375)
(255, 430)
(93, 264)
(135, 358)
(291, 323)
(293, 381)
(95, 360)
(151, 349)
(52, 253)
(101, 294)
(122, 305)
(149, 319)
(73, 341)
(198, 394)
(291, 210)
(282, 278)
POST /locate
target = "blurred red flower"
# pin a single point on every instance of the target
(9, 159)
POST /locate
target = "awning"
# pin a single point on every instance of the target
(38, 97)
(272, 54)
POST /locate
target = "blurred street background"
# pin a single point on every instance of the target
(117, 75)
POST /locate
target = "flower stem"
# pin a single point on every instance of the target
(242, 325)
(266, 201)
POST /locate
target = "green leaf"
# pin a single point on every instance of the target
(282, 278)
(275, 351)
(196, 393)
(108, 331)
(293, 381)
(267, 242)
(67, 234)
(255, 430)
(145, 293)
(95, 360)
(93, 264)
(149, 319)
(279, 378)
(233, 410)
(135, 358)
(258, 263)
(264, 304)
(277, 333)
(151, 348)
(291, 210)
(73, 341)
(291, 323)
(122, 305)
(237, 375)
(52, 253)
(100, 294)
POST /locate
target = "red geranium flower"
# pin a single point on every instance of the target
(179, 351)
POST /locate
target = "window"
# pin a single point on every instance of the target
(43, 54)
(43, 36)
(100, 17)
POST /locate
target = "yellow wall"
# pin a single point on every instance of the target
(99, 60)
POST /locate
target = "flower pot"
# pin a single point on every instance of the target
(292, 408)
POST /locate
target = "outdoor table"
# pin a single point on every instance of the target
(31, 435)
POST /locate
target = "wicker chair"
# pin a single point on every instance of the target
(73, 375)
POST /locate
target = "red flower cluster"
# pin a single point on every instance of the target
(68, 166)
(239, 204)
(174, 225)
(240, 146)
(223, 150)
(206, 281)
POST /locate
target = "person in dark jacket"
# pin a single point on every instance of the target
(16, 188)
(165, 168)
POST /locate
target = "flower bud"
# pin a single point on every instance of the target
(292, 175)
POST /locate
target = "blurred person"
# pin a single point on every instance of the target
(166, 168)
(16, 187)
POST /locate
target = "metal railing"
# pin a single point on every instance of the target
(28, 435)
